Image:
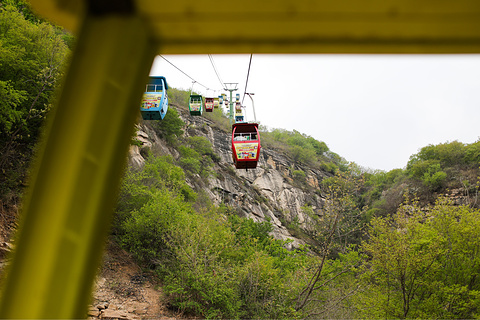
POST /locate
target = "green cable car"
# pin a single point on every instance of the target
(195, 105)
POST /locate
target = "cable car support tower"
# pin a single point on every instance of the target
(231, 87)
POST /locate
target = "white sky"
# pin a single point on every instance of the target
(374, 110)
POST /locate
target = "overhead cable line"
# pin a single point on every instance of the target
(216, 72)
(193, 80)
(248, 74)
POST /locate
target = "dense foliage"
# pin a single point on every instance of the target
(303, 149)
(33, 55)
(212, 262)
(434, 170)
(424, 264)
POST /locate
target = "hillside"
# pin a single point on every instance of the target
(316, 208)
(269, 192)
(274, 193)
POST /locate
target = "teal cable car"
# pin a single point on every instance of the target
(155, 99)
(195, 105)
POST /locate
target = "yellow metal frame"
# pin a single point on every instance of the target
(67, 212)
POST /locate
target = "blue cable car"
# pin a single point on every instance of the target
(155, 99)
(195, 105)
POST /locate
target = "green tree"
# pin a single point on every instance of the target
(33, 55)
(302, 155)
(336, 228)
(197, 156)
(449, 153)
(472, 154)
(24, 8)
(170, 128)
(424, 265)
(434, 178)
(403, 257)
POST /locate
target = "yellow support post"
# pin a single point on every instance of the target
(69, 206)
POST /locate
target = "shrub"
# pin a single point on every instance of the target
(329, 167)
(418, 169)
(170, 128)
(472, 154)
(302, 155)
(434, 180)
(448, 154)
(148, 230)
(299, 175)
(178, 96)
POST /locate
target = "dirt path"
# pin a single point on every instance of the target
(123, 291)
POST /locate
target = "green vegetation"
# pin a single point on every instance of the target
(218, 265)
(434, 170)
(303, 149)
(178, 97)
(220, 120)
(415, 263)
(170, 128)
(430, 163)
(423, 265)
(197, 156)
(33, 55)
(215, 267)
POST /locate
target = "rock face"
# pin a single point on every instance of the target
(268, 192)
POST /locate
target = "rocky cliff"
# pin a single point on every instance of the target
(268, 192)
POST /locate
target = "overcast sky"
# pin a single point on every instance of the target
(374, 110)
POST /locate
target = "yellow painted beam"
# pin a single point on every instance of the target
(300, 26)
(68, 210)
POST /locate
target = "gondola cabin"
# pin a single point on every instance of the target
(220, 100)
(216, 102)
(155, 99)
(245, 145)
(238, 113)
(209, 104)
(195, 105)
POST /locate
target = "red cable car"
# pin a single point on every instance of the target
(209, 104)
(245, 145)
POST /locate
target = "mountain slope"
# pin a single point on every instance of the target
(269, 192)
